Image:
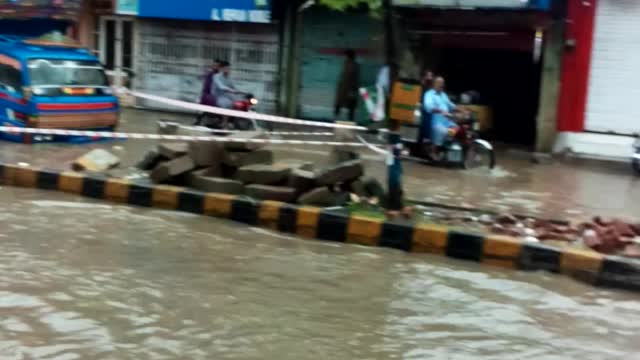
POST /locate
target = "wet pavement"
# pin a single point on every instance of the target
(88, 280)
(570, 190)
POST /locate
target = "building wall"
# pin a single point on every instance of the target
(326, 35)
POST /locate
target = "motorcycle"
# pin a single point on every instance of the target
(635, 158)
(462, 147)
(218, 122)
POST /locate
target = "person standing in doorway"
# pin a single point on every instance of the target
(347, 91)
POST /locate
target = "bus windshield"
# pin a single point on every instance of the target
(48, 73)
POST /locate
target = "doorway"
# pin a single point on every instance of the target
(116, 40)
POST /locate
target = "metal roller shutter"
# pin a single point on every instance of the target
(172, 57)
(614, 85)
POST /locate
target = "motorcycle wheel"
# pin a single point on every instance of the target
(242, 124)
(635, 164)
(479, 155)
(213, 122)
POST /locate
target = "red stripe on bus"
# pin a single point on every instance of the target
(89, 106)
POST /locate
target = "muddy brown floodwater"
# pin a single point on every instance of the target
(90, 280)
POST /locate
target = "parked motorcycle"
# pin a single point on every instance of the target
(214, 121)
(635, 158)
(462, 147)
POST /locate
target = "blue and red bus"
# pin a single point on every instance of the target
(52, 83)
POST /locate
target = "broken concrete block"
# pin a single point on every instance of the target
(245, 158)
(173, 150)
(169, 169)
(151, 160)
(373, 188)
(168, 128)
(340, 156)
(213, 171)
(357, 187)
(302, 180)
(321, 196)
(263, 174)
(206, 153)
(296, 164)
(341, 173)
(216, 185)
(96, 160)
(244, 143)
(274, 193)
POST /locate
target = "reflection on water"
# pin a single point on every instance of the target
(83, 280)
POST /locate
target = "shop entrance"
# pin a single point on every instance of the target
(507, 81)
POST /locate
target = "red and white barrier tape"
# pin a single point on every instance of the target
(239, 114)
(119, 135)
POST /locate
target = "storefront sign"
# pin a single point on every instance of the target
(257, 11)
(127, 7)
(514, 4)
(59, 9)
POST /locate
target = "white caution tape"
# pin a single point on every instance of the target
(240, 114)
(283, 133)
(119, 135)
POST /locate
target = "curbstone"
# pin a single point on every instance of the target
(140, 195)
(621, 273)
(465, 246)
(191, 201)
(397, 236)
(364, 231)
(93, 187)
(501, 251)
(165, 196)
(307, 222)
(539, 257)
(70, 182)
(48, 179)
(332, 227)
(245, 210)
(288, 218)
(218, 205)
(269, 214)
(430, 239)
(117, 190)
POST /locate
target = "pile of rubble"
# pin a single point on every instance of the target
(247, 168)
(613, 236)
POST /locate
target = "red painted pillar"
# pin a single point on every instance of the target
(576, 63)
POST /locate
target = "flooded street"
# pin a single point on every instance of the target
(569, 190)
(89, 280)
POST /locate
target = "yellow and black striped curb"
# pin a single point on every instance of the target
(316, 223)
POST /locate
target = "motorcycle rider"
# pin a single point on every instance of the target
(207, 96)
(437, 104)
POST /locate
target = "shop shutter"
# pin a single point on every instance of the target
(614, 85)
(172, 57)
